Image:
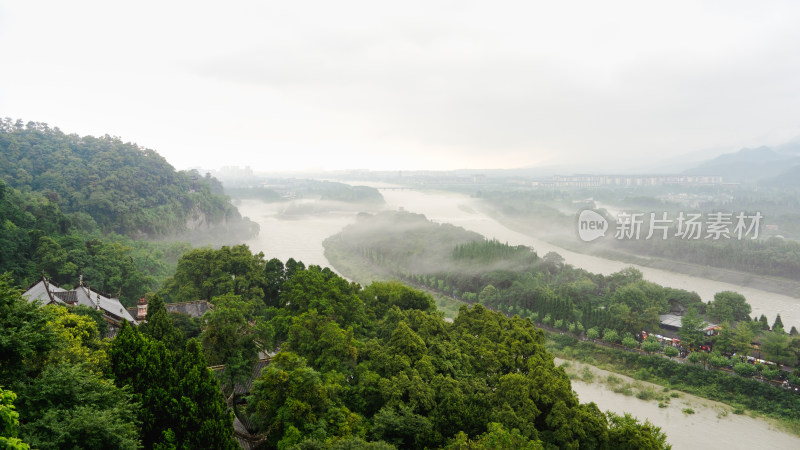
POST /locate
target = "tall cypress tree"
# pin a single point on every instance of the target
(778, 322)
(764, 323)
(182, 405)
(147, 366)
(159, 326)
(204, 418)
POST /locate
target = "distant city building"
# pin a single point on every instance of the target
(629, 180)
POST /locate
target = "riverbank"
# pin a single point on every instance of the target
(688, 421)
(782, 286)
(739, 394)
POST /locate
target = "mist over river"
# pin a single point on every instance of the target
(463, 211)
(301, 236)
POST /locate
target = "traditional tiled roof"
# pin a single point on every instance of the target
(671, 320)
(132, 310)
(243, 434)
(194, 309)
(47, 292)
(42, 291)
(244, 421)
(67, 296)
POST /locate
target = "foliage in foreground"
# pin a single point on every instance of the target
(370, 367)
(148, 387)
(181, 400)
(53, 359)
(380, 364)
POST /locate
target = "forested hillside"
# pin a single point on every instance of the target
(373, 367)
(122, 187)
(74, 206)
(37, 239)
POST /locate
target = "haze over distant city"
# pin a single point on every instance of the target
(411, 85)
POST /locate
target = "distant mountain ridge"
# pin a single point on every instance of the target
(751, 165)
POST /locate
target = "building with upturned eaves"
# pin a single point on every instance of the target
(113, 311)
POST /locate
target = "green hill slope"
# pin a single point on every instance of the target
(124, 188)
(74, 207)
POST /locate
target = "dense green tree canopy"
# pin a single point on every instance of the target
(72, 407)
(389, 368)
(181, 401)
(728, 306)
(124, 188)
(355, 365)
(26, 336)
(9, 422)
(205, 273)
(691, 332)
(231, 336)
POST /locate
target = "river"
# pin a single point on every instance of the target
(711, 425)
(301, 238)
(464, 211)
(298, 237)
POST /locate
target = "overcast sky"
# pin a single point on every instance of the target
(294, 85)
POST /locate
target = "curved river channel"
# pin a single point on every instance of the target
(463, 211)
(301, 238)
